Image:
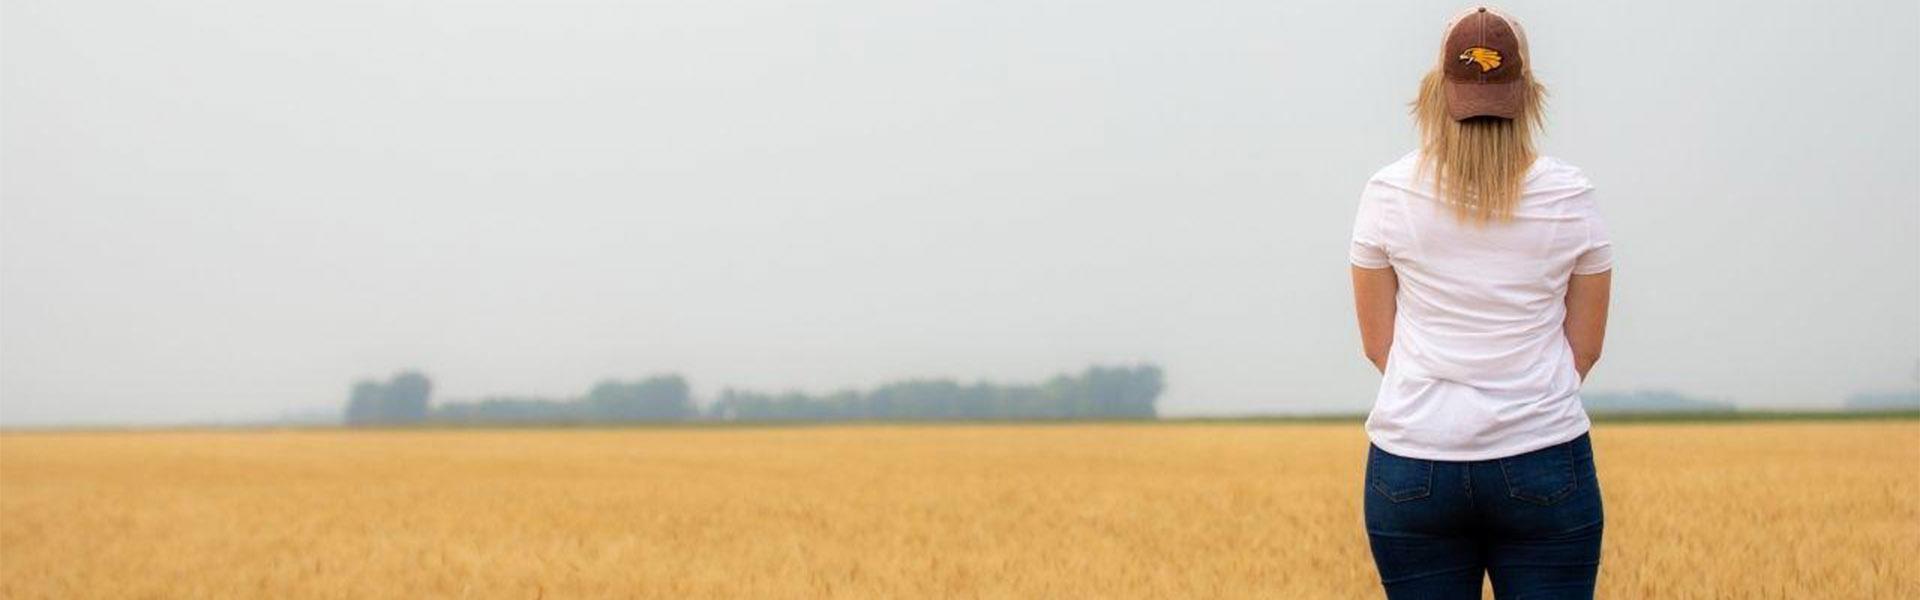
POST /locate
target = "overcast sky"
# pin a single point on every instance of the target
(226, 210)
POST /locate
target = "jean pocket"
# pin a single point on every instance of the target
(1398, 478)
(1544, 477)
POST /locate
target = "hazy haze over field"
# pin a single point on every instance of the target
(229, 210)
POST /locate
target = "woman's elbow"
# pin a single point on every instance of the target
(1586, 359)
(1377, 356)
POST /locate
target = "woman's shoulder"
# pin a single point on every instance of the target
(1554, 180)
(1555, 169)
(1400, 172)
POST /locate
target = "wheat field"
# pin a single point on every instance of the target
(1237, 510)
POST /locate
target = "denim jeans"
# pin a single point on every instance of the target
(1531, 522)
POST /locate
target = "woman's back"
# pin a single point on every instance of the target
(1479, 367)
(1481, 277)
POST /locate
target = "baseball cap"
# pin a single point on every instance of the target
(1484, 61)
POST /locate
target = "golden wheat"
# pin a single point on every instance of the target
(1775, 510)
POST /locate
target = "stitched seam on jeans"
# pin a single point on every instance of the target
(1573, 475)
(1466, 475)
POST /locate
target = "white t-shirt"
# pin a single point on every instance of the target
(1480, 367)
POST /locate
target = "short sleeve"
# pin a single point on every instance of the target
(1367, 250)
(1597, 255)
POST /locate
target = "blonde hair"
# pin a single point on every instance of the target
(1479, 164)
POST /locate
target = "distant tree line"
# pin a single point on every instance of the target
(1096, 393)
(657, 398)
(401, 399)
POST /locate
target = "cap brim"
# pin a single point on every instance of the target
(1467, 99)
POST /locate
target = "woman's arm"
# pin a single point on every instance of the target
(1373, 291)
(1587, 298)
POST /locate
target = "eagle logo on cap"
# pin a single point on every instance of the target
(1487, 58)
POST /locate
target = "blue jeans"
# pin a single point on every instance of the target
(1531, 522)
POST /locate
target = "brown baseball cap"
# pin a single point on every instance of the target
(1485, 62)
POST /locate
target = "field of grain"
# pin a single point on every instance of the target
(1721, 510)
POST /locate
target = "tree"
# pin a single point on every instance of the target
(363, 403)
(404, 398)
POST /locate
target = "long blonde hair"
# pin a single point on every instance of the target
(1479, 164)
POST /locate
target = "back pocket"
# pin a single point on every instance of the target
(1398, 478)
(1543, 477)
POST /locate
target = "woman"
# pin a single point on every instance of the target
(1480, 274)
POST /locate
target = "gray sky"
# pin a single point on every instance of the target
(220, 210)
